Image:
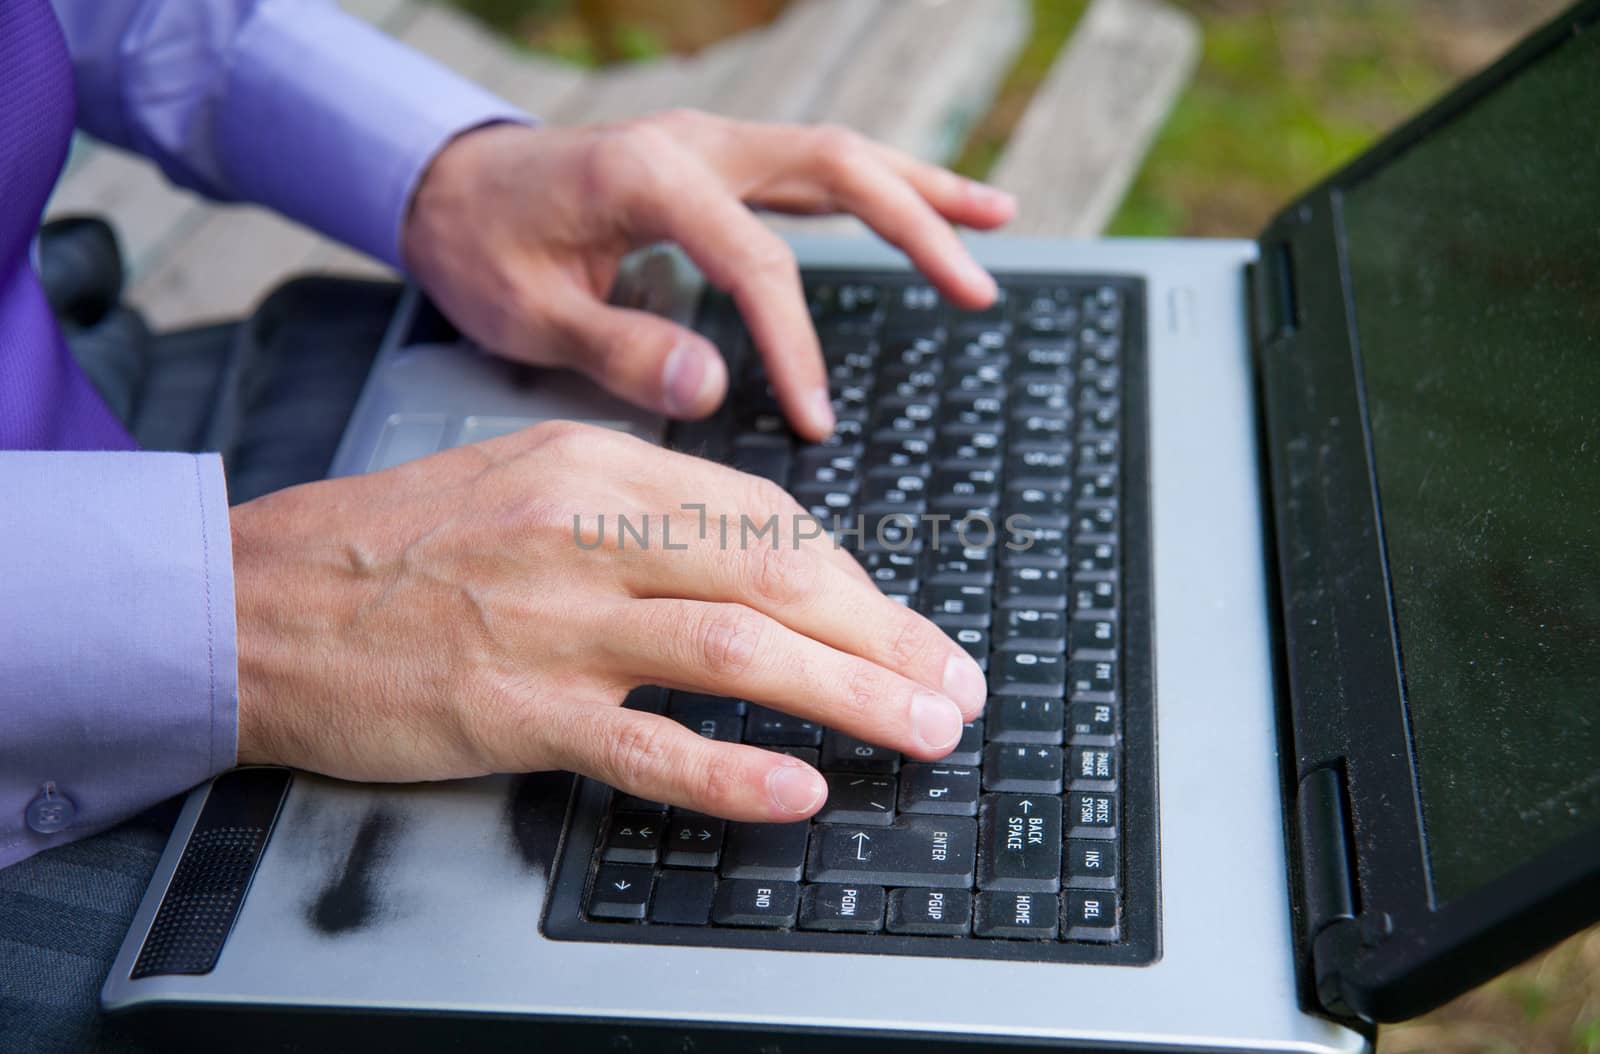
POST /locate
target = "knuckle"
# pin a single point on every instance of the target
(635, 755)
(720, 778)
(909, 643)
(863, 688)
(729, 639)
(619, 168)
(781, 575)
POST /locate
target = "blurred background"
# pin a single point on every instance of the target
(1284, 92)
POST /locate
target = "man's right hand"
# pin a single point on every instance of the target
(440, 619)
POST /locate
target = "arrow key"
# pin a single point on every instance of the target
(693, 840)
(632, 838)
(620, 891)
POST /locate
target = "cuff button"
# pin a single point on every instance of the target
(50, 812)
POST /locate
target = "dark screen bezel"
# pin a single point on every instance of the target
(1403, 952)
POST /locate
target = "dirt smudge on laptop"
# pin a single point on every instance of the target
(352, 898)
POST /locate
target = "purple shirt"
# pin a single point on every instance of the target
(118, 670)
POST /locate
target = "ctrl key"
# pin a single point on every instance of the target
(620, 891)
(756, 902)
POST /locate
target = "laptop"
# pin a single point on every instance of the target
(1295, 691)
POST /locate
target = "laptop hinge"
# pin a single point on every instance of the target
(1327, 885)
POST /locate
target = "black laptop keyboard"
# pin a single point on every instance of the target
(1021, 835)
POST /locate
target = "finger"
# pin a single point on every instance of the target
(889, 205)
(739, 255)
(958, 199)
(733, 650)
(809, 593)
(643, 358)
(791, 168)
(658, 759)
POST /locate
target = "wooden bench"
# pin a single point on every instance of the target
(914, 73)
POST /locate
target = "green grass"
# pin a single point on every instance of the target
(1281, 98)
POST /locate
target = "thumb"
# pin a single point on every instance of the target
(647, 360)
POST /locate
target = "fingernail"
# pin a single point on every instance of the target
(682, 378)
(965, 684)
(821, 405)
(796, 788)
(936, 721)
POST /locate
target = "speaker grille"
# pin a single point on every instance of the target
(208, 886)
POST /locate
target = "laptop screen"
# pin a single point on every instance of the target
(1474, 259)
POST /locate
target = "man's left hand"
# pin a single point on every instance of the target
(517, 233)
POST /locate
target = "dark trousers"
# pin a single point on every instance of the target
(272, 394)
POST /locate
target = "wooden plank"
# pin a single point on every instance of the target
(1083, 136)
(793, 62)
(661, 84)
(927, 71)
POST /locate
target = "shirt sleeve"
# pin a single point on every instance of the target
(118, 668)
(292, 104)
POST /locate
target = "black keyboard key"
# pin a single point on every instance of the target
(647, 700)
(765, 850)
(957, 605)
(1044, 505)
(1035, 545)
(634, 803)
(693, 841)
(1091, 863)
(1092, 679)
(683, 898)
(930, 912)
(938, 790)
(809, 755)
(969, 748)
(842, 908)
(1025, 768)
(620, 891)
(1099, 519)
(974, 639)
(1025, 719)
(1091, 764)
(1094, 597)
(917, 851)
(1016, 916)
(860, 799)
(632, 838)
(954, 563)
(1094, 558)
(1091, 814)
(894, 573)
(755, 903)
(1090, 916)
(1033, 587)
(1019, 668)
(1093, 637)
(1091, 721)
(764, 727)
(1019, 842)
(842, 753)
(1044, 627)
(767, 456)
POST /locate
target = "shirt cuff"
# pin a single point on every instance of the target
(118, 654)
(332, 123)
